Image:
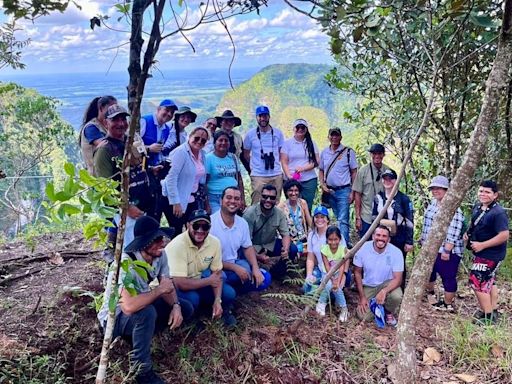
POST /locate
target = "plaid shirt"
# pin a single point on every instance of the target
(453, 236)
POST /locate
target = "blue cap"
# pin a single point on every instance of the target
(168, 103)
(262, 110)
(321, 210)
(266, 282)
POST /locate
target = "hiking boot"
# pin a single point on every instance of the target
(320, 308)
(479, 314)
(391, 320)
(149, 377)
(229, 319)
(343, 317)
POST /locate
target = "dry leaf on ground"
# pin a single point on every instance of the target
(465, 377)
(497, 351)
(56, 259)
(431, 356)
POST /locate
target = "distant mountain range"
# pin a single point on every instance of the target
(291, 91)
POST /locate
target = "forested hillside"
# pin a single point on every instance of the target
(291, 91)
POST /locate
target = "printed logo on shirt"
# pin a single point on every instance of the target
(208, 259)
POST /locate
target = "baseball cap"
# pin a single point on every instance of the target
(168, 103)
(335, 131)
(321, 210)
(389, 173)
(300, 122)
(377, 148)
(199, 214)
(439, 182)
(262, 110)
(114, 110)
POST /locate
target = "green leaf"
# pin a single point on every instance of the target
(142, 272)
(62, 196)
(372, 21)
(484, 21)
(340, 13)
(50, 191)
(357, 34)
(69, 169)
(70, 209)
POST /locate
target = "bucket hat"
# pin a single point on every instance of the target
(228, 114)
(146, 230)
(183, 110)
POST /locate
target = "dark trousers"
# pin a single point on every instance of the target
(279, 269)
(139, 328)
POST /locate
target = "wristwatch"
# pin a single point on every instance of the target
(218, 300)
(176, 303)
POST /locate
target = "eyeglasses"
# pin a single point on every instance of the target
(268, 197)
(205, 226)
(379, 173)
(301, 127)
(198, 139)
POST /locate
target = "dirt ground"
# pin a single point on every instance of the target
(49, 333)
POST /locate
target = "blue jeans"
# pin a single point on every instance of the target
(364, 228)
(214, 200)
(140, 327)
(341, 207)
(339, 296)
(205, 296)
(278, 270)
(232, 278)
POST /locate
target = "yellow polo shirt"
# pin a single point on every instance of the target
(186, 260)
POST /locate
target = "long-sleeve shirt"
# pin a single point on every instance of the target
(453, 236)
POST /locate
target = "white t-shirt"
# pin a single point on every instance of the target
(297, 153)
(231, 239)
(378, 267)
(271, 141)
(315, 243)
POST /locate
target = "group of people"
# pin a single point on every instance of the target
(225, 243)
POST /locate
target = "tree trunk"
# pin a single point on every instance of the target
(406, 372)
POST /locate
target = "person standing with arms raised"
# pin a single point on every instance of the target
(262, 146)
(299, 158)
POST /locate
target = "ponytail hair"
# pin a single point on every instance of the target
(310, 148)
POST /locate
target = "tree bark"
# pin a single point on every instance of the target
(406, 369)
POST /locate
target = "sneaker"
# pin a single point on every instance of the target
(343, 314)
(486, 319)
(149, 377)
(229, 319)
(449, 308)
(439, 305)
(320, 308)
(479, 314)
(391, 320)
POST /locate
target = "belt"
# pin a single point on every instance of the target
(338, 187)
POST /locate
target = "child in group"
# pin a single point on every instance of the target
(332, 252)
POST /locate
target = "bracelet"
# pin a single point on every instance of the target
(218, 300)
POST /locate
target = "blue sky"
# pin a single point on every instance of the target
(65, 42)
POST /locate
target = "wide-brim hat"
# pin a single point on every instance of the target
(146, 230)
(184, 110)
(227, 114)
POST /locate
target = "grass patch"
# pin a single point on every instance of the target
(484, 348)
(33, 370)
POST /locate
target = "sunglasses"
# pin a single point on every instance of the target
(301, 127)
(379, 173)
(198, 139)
(268, 197)
(204, 226)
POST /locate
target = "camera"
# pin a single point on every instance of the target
(269, 160)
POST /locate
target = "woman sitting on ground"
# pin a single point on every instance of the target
(297, 215)
(222, 171)
(184, 185)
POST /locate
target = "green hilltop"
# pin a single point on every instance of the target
(291, 91)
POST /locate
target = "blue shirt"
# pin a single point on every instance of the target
(222, 172)
(92, 133)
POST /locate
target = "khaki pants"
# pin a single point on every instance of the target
(257, 183)
(392, 303)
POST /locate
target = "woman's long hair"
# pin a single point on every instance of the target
(310, 148)
(93, 109)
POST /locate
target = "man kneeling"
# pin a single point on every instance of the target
(232, 230)
(382, 265)
(140, 316)
(195, 263)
